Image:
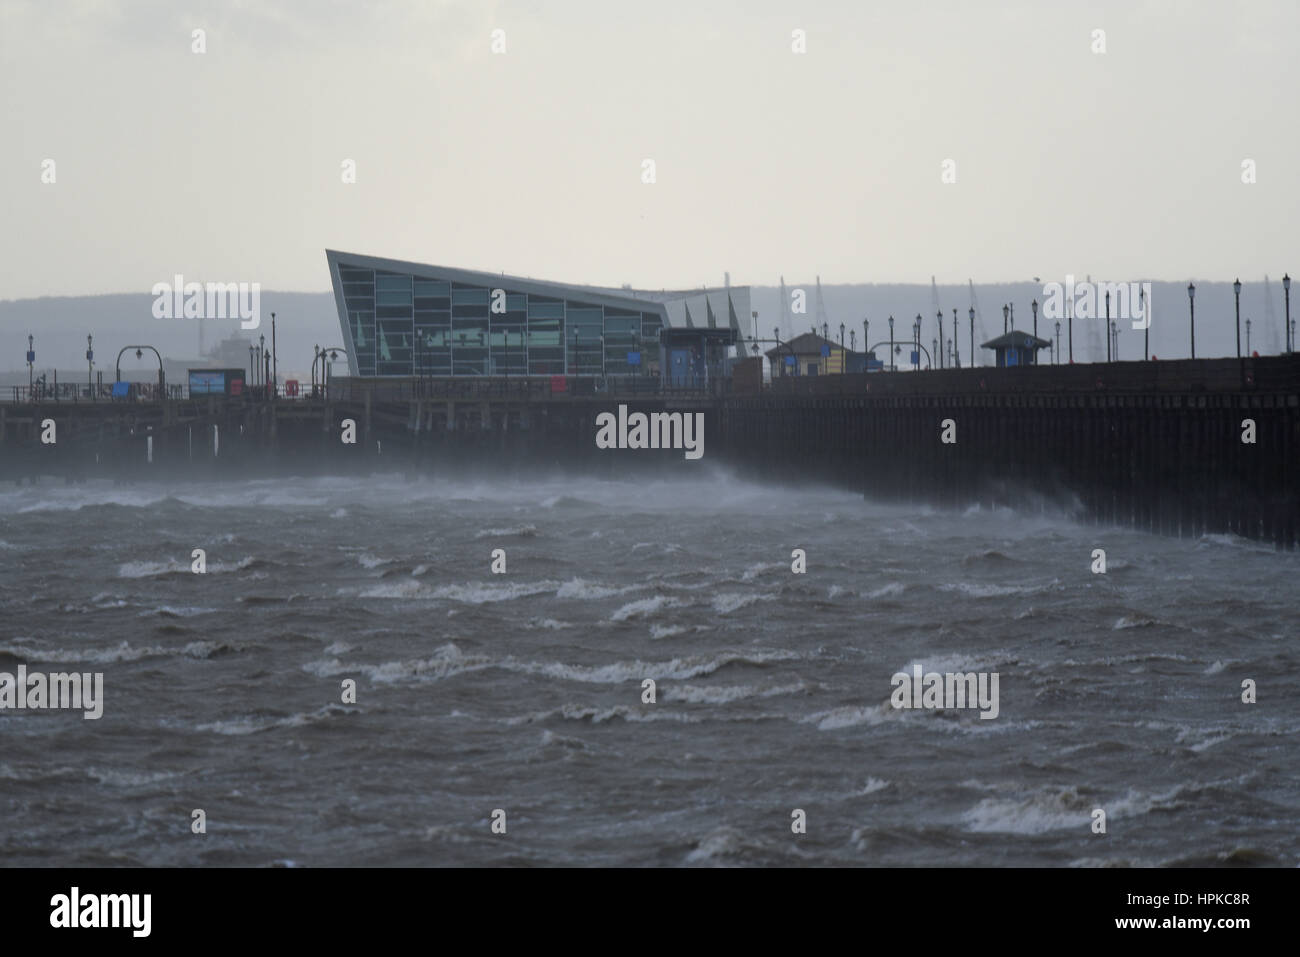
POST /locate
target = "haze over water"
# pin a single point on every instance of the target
(523, 691)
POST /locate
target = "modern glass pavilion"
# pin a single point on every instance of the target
(404, 319)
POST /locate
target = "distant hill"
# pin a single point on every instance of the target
(60, 324)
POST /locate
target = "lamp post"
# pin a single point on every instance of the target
(853, 340)
(1114, 338)
(1247, 337)
(866, 338)
(1006, 311)
(1191, 307)
(325, 357)
(1109, 327)
(139, 354)
(90, 363)
(31, 363)
(1012, 307)
(972, 336)
(891, 343)
(1069, 326)
(918, 342)
(1146, 324)
(939, 317)
(1033, 305)
(1236, 293)
(1056, 353)
(1290, 333)
(315, 356)
(275, 363)
(252, 368)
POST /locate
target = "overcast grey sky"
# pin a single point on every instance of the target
(226, 165)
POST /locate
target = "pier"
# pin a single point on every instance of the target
(1186, 447)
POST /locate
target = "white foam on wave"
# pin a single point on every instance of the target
(617, 672)
(666, 631)
(583, 712)
(121, 652)
(725, 604)
(873, 785)
(1055, 809)
(666, 547)
(850, 716)
(120, 778)
(957, 663)
(154, 569)
(150, 569)
(399, 589)
(252, 725)
(1200, 739)
(473, 593)
(1043, 812)
(725, 694)
(549, 624)
(982, 590)
(478, 594)
(761, 568)
(645, 607)
(446, 660)
(449, 660)
(1134, 621)
(171, 611)
(578, 588)
(514, 531)
(888, 591)
(722, 843)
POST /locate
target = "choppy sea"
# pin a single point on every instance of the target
(522, 692)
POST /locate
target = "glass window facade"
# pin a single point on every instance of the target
(403, 325)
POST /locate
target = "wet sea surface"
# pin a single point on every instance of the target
(523, 691)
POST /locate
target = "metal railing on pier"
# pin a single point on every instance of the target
(521, 388)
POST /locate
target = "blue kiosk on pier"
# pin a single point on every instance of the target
(1016, 348)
